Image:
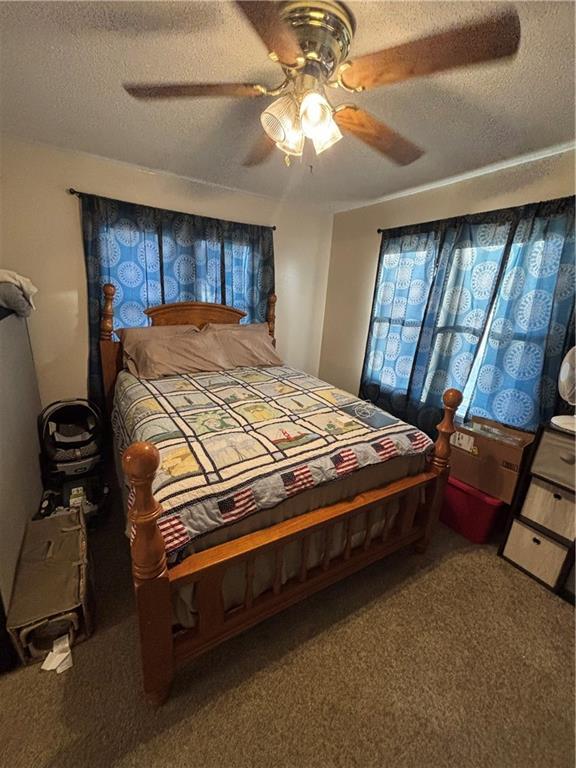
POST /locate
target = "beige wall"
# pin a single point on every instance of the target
(41, 238)
(355, 246)
(322, 317)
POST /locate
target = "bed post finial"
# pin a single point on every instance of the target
(440, 464)
(140, 462)
(107, 319)
(150, 572)
(271, 315)
(441, 456)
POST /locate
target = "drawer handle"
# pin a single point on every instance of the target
(568, 458)
(535, 540)
(558, 497)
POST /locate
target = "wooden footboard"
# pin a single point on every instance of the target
(163, 648)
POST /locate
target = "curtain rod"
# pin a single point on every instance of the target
(72, 191)
(511, 208)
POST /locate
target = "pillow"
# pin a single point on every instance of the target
(127, 335)
(210, 350)
(156, 335)
(11, 297)
(247, 345)
(236, 327)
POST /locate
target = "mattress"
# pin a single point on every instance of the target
(247, 448)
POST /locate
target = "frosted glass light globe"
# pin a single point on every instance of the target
(293, 144)
(278, 118)
(326, 137)
(315, 114)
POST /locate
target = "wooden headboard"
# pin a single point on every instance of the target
(181, 313)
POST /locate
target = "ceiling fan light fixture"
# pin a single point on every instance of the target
(311, 40)
(279, 118)
(293, 144)
(315, 114)
(327, 137)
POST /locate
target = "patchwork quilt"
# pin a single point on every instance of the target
(235, 442)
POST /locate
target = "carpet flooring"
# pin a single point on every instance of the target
(452, 658)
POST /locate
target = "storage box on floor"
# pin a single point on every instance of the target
(484, 472)
(488, 455)
(542, 534)
(51, 594)
(470, 512)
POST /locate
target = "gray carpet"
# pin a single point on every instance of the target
(453, 658)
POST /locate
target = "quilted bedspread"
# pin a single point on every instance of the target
(236, 442)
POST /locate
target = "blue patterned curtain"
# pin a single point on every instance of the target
(248, 269)
(192, 258)
(498, 293)
(405, 272)
(469, 263)
(154, 256)
(517, 371)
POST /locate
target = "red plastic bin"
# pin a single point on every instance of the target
(470, 512)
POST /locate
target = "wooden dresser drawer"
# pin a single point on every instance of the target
(555, 458)
(535, 553)
(551, 507)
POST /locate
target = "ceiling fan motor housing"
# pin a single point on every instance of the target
(324, 31)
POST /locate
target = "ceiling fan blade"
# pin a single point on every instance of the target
(378, 135)
(492, 38)
(260, 152)
(190, 90)
(276, 35)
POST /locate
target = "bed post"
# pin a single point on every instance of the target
(440, 463)
(441, 457)
(271, 315)
(107, 319)
(110, 351)
(150, 573)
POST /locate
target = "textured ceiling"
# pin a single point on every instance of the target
(62, 65)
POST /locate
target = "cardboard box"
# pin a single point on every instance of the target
(488, 455)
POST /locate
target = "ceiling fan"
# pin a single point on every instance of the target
(311, 41)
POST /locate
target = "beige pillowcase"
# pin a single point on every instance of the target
(236, 327)
(215, 348)
(246, 345)
(158, 335)
(127, 335)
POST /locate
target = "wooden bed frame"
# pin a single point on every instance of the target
(163, 647)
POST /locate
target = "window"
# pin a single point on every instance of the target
(154, 256)
(499, 301)
(405, 273)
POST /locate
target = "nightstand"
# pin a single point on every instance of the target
(542, 531)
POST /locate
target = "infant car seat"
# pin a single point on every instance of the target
(70, 434)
